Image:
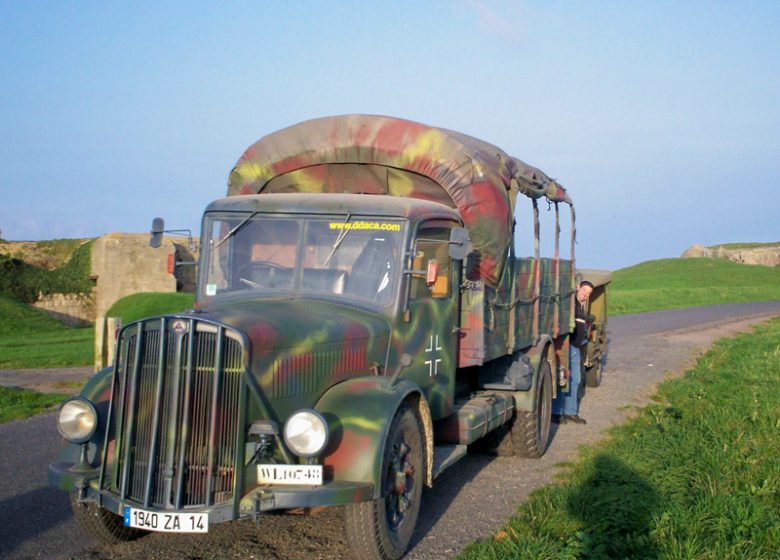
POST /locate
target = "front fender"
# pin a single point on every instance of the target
(359, 413)
(98, 391)
(524, 400)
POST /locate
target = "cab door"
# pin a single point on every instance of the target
(431, 316)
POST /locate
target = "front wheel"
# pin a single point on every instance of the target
(103, 525)
(382, 529)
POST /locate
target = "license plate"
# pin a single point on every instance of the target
(166, 522)
(290, 474)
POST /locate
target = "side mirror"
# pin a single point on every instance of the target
(460, 246)
(158, 227)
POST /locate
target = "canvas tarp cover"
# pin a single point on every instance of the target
(480, 180)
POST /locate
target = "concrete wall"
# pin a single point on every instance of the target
(124, 264)
(75, 310)
(766, 256)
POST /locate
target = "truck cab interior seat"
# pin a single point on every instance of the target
(371, 272)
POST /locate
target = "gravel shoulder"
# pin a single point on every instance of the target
(470, 501)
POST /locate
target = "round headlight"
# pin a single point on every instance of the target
(306, 433)
(77, 420)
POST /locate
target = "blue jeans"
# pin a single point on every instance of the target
(566, 401)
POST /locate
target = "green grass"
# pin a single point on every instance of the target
(29, 338)
(140, 306)
(677, 283)
(19, 403)
(694, 475)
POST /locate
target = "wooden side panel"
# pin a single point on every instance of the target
(525, 295)
(498, 317)
(547, 295)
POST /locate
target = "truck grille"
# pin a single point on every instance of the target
(174, 413)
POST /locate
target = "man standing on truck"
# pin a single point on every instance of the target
(566, 404)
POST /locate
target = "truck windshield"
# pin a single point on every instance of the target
(347, 255)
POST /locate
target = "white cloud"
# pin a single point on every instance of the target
(501, 19)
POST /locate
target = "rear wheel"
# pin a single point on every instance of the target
(527, 433)
(531, 430)
(382, 529)
(103, 525)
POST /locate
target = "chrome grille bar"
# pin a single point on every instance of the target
(129, 407)
(213, 426)
(185, 424)
(154, 428)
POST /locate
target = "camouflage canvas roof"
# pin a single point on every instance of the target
(392, 156)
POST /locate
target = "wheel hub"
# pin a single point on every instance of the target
(400, 478)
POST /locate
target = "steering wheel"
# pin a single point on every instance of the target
(249, 268)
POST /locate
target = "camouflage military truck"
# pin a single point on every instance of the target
(361, 318)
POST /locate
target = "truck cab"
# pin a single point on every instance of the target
(331, 266)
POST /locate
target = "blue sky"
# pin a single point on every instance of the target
(661, 118)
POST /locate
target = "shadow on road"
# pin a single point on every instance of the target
(437, 500)
(24, 517)
(616, 506)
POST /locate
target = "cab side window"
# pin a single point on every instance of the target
(432, 264)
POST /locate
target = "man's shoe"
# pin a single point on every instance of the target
(576, 418)
(559, 418)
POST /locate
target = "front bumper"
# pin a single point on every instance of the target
(258, 500)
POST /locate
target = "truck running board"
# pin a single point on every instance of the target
(474, 417)
(444, 456)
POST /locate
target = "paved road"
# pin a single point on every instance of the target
(470, 501)
(58, 380)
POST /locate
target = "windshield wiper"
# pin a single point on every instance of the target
(233, 231)
(342, 234)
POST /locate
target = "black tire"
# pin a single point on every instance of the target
(593, 374)
(103, 525)
(531, 430)
(382, 529)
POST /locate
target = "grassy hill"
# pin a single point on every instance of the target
(52, 273)
(677, 283)
(49, 254)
